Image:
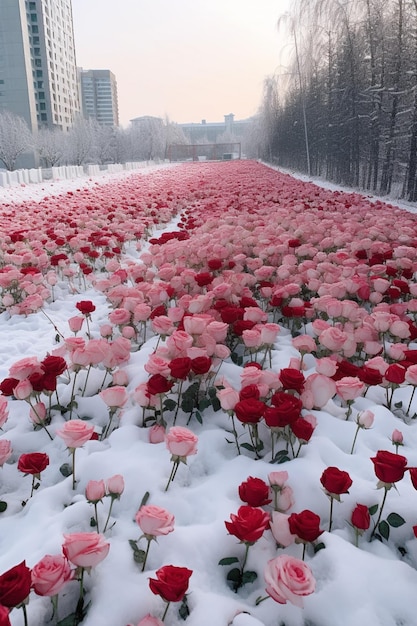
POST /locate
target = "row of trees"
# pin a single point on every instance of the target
(346, 106)
(86, 142)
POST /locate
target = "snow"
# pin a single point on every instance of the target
(374, 584)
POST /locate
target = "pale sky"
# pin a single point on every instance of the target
(187, 59)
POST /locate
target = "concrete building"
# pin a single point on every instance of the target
(38, 74)
(98, 90)
(212, 132)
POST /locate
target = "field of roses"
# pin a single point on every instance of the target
(207, 404)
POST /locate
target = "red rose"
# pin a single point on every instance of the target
(7, 385)
(305, 525)
(201, 365)
(204, 278)
(55, 365)
(335, 481)
(15, 585)
(180, 367)
(214, 264)
(395, 373)
(32, 463)
(389, 467)
(254, 491)
(157, 311)
(413, 476)
(249, 524)
(249, 391)
(285, 410)
(292, 379)
(230, 314)
(302, 429)
(240, 325)
(360, 517)
(85, 307)
(158, 384)
(369, 376)
(4, 616)
(171, 583)
(249, 411)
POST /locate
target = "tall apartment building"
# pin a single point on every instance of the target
(99, 96)
(38, 73)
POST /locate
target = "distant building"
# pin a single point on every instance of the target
(99, 96)
(38, 77)
(211, 132)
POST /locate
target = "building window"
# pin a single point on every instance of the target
(41, 95)
(39, 73)
(38, 63)
(35, 29)
(42, 106)
(43, 117)
(33, 17)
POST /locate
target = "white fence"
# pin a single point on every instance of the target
(65, 172)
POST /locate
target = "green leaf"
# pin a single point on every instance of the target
(86, 418)
(228, 560)
(70, 620)
(93, 522)
(144, 499)
(395, 520)
(169, 404)
(198, 417)
(184, 611)
(57, 338)
(281, 457)
(249, 577)
(247, 446)
(204, 404)
(234, 579)
(66, 470)
(398, 405)
(260, 445)
(138, 555)
(372, 509)
(384, 529)
(318, 547)
(3, 506)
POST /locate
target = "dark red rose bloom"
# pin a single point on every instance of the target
(345, 368)
(402, 285)
(201, 365)
(302, 429)
(157, 311)
(240, 325)
(293, 311)
(4, 616)
(249, 411)
(305, 525)
(15, 585)
(389, 467)
(85, 307)
(246, 301)
(395, 373)
(203, 279)
(37, 381)
(7, 385)
(360, 517)
(55, 365)
(258, 366)
(171, 583)
(214, 264)
(413, 476)
(369, 376)
(158, 384)
(249, 391)
(249, 524)
(335, 481)
(33, 463)
(292, 379)
(230, 314)
(180, 367)
(276, 300)
(411, 355)
(254, 491)
(285, 410)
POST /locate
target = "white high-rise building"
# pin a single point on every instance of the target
(38, 73)
(99, 96)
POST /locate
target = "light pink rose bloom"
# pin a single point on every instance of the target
(288, 579)
(76, 323)
(178, 343)
(175, 313)
(304, 344)
(118, 317)
(255, 314)
(400, 329)
(106, 330)
(50, 575)
(333, 339)
(154, 521)
(119, 353)
(195, 324)
(157, 433)
(23, 390)
(115, 485)
(142, 398)
(285, 499)
(278, 478)
(75, 433)
(162, 325)
(149, 620)
(157, 365)
(24, 368)
(181, 441)
(250, 375)
(85, 549)
(120, 377)
(350, 387)
(377, 363)
(397, 437)
(95, 490)
(4, 410)
(365, 419)
(114, 397)
(141, 312)
(37, 413)
(252, 338)
(280, 529)
(318, 390)
(218, 330)
(128, 332)
(411, 375)
(221, 352)
(5, 451)
(228, 398)
(326, 366)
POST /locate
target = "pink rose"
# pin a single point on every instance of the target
(114, 397)
(24, 368)
(332, 338)
(4, 410)
(50, 575)
(280, 529)
(85, 549)
(5, 451)
(95, 490)
(23, 390)
(75, 323)
(349, 387)
(157, 433)
(149, 620)
(115, 485)
(181, 441)
(228, 398)
(75, 433)
(288, 579)
(278, 479)
(154, 521)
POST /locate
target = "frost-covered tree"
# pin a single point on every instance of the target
(79, 142)
(50, 145)
(15, 138)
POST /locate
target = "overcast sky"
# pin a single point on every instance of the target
(188, 59)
